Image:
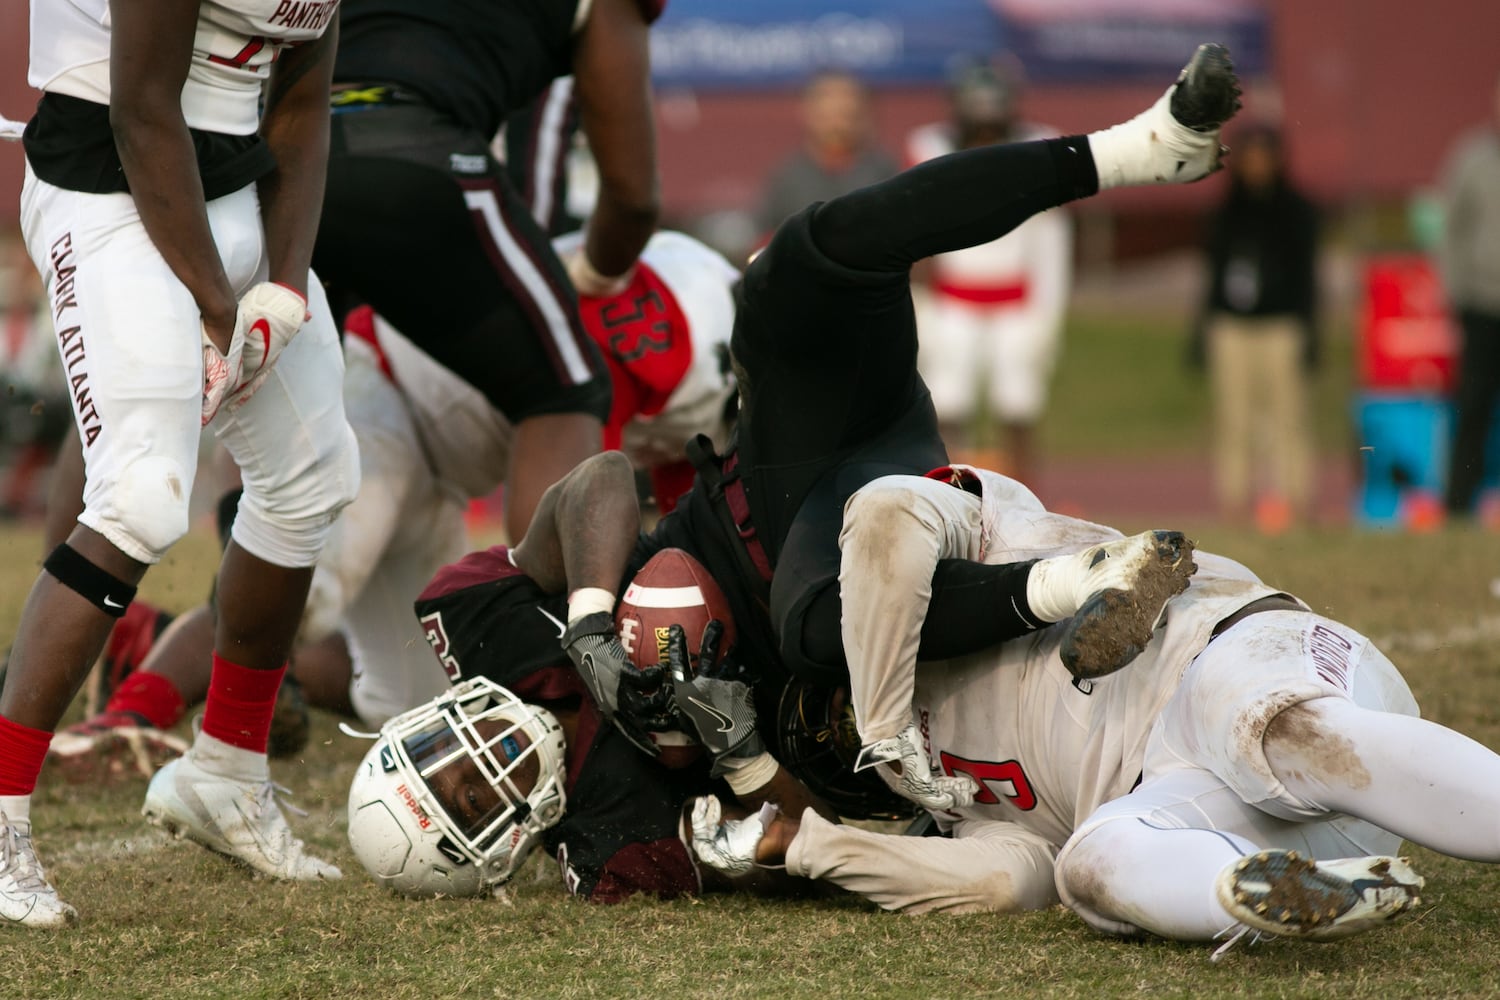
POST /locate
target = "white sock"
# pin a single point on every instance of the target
(587, 601)
(1052, 587)
(226, 760)
(1152, 148)
(16, 807)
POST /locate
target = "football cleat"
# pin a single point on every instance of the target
(1113, 596)
(240, 819)
(1283, 893)
(1207, 93)
(26, 897)
(111, 747)
(915, 778)
(1176, 140)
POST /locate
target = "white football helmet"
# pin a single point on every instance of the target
(441, 805)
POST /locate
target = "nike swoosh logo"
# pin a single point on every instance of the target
(110, 602)
(263, 328)
(561, 628)
(726, 724)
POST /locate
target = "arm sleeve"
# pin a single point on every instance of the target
(988, 866)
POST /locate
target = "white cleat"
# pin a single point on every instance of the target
(239, 819)
(1283, 893)
(26, 897)
(1112, 596)
(914, 777)
(1176, 140)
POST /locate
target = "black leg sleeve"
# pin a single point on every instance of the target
(956, 201)
(974, 606)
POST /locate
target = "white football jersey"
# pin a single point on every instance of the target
(700, 280)
(1045, 750)
(466, 440)
(235, 44)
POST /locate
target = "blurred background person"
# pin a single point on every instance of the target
(1470, 259)
(35, 412)
(991, 324)
(839, 151)
(1258, 335)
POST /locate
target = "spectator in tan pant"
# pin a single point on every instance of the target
(1258, 336)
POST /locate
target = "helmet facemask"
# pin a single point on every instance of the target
(474, 777)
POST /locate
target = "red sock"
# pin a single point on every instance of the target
(151, 696)
(240, 704)
(22, 750)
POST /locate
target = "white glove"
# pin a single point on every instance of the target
(270, 314)
(587, 279)
(917, 782)
(221, 372)
(728, 847)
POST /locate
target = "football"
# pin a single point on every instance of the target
(672, 588)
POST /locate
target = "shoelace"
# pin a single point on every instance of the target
(1238, 931)
(21, 864)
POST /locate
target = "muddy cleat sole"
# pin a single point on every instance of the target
(1114, 624)
(1208, 92)
(110, 750)
(1286, 894)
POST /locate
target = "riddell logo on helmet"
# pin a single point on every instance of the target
(416, 810)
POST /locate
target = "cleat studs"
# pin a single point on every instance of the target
(1243, 864)
(1262, 908)
(1263, 857)
(1293, 856)
(1241, 896)
(1286, 916)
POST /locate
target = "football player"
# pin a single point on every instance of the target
(454, 793)
(422, 222)
(825, 352)
(1254, 768)
(175, 172)
(825, 349)
(428, 442)
(993, 321)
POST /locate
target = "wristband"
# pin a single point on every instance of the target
(746, 775)
(589, 282)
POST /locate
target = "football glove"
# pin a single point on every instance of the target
(916, 781)
(727, 846)
(270, 315)
(718, 711)
(221, 372)
(629, 697)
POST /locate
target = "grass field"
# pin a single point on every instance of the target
(163, 920)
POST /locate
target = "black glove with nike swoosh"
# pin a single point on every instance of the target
(718, 711)
(613, 681)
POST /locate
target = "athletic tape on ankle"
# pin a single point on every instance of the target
(99, 587)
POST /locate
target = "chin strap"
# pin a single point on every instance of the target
(349, 730)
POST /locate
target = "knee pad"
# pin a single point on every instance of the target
(146, 512)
